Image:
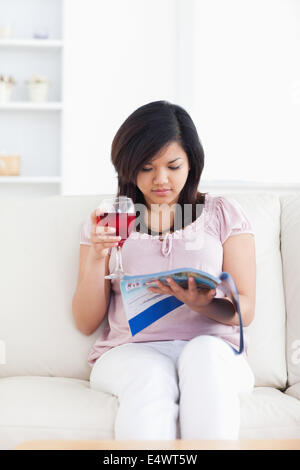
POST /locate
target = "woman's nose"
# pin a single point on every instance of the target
(160, 177)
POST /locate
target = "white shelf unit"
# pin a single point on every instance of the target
(30, 180)
(32, 130)
(31, 43)
(23, 105)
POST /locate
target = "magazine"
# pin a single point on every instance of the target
(143, 307)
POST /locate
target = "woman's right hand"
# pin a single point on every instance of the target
(102, 238)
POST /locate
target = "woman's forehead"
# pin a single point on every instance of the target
(169, 154)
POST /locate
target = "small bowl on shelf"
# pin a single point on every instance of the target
(41, 33)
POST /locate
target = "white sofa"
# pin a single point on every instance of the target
(44, 376)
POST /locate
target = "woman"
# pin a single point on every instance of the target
(182, 369)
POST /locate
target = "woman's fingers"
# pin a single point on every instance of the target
(102, 238)
(105, 236)
(95, 214)
(192, 285)
(100, 233)
(100, 230)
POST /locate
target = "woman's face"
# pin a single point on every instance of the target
(168, 170)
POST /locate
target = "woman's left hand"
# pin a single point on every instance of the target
(192, 297)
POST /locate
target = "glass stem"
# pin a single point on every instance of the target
(119, 267)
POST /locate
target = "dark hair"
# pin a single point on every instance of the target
(145, 133)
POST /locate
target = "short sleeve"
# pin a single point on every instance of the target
(85, 232)
(231, 219)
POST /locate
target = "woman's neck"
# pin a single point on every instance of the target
(159, 221)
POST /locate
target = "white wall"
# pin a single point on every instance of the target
(119, 55)
(247, 93)
(232, 64)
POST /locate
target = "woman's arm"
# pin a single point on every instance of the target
(240, 262)
(93, 291)
(222, 310)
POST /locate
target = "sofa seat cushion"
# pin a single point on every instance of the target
(53, 408)
(268, 413)
(62, 408)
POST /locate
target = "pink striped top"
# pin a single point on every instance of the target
(198, 245)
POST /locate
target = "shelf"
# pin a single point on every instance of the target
(33, 130)
(31, 179)
(32, 43)
(31, 106)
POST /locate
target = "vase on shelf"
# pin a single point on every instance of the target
(6, 31)
(7, 84)
(38, 88)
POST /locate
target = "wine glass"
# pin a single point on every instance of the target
(119, 212)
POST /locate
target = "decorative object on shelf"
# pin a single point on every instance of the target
(38, 88)
(7, 83)
(9, 165)
(5, 31)
(41, 33)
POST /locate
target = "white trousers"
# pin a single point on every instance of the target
(175, 389)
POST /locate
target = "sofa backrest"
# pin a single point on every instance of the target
(290, 248)
(267, 332)
(39, 261)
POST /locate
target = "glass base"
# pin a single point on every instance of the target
(118, 275)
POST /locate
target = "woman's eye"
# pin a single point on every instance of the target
(171, 168)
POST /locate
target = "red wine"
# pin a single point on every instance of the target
(123, 223)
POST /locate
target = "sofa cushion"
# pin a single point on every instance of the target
(290, 235)
(53, 408)
(268, 413)
(34, 408)
(267, 331)
(39, 253)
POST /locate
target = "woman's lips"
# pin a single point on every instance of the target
(161, 193)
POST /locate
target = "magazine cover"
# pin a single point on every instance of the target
(143, 307)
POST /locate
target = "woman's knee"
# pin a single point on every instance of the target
(134, 366)
(206, 349)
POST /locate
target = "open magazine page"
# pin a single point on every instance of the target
(143, 307)
(180, 275)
